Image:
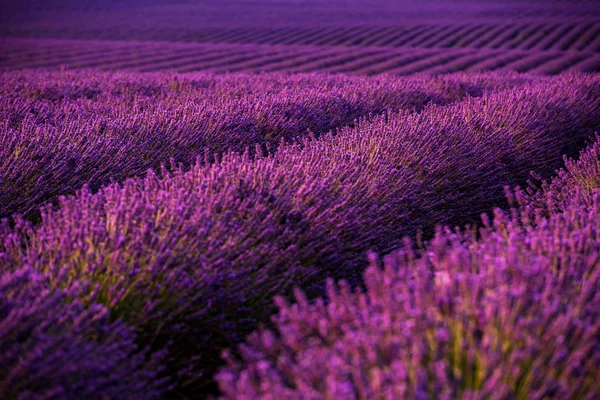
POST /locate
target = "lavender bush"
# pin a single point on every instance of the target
(191, 260)
(60, 343)
(513, 314)
(578, 175)
(60, 131)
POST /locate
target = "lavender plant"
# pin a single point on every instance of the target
(60, 343)
(513, 314)
(578, 175)
(192, 259)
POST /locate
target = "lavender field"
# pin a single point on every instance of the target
(285, 199)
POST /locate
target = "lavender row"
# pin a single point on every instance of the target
(515, 314)
(60, 131)
(192, 260)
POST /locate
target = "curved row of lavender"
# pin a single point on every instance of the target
(514, 314)
(190, 262)
(60, 131)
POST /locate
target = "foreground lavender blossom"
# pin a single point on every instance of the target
(512, 315)
(60, 131)
(61, 344)
(192, 260)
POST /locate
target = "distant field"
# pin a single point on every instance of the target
(340, 36)
(196, 15)
(567, 34)
(185, 57)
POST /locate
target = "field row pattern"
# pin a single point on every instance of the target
(145, 56)
(535, 36)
